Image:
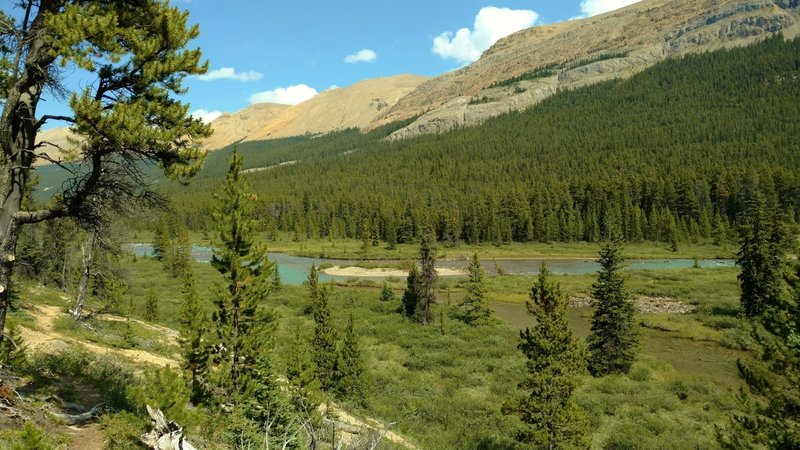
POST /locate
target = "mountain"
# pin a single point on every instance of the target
(533, 64)
(233, 127)
(53, 142)
(354, 106)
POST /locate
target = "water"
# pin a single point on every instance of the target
(294, 269)
(702, 359)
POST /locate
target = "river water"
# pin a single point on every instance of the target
(294, 269)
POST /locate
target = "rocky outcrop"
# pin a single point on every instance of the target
(581, 52)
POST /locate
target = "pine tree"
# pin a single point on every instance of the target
(151, 306)
(771, 420)
(241, 326)
(763, 244)
(313, 290)
(475, 307)
(324, 343)
(304, 386)
(550, 417)
(428, 277)
(352, 382)
(276, 283)
(613, 340)
(366, 238)
(411, 296)
(194, 325)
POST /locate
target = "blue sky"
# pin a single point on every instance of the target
(286, 51)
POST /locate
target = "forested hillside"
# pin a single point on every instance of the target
(669, 154)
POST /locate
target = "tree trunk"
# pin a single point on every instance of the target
(83, 282)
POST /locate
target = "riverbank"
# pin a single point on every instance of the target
(379, 272)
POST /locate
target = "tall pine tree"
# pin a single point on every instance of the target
(194, 325)
(763, 244)
(614, 339)
(428, 277)
(550, 417)
(324, 342)
(352, 382)
(475, 307)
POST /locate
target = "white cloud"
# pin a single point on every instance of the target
(291, 95)
(594, 7)
(365, 55)
(205, 115)
(491, 25)
(229, 73)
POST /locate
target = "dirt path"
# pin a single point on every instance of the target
(48, 340)
(349, 419)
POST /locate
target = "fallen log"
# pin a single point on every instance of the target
(165, 435)
(80, 419)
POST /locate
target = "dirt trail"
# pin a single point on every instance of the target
(48, 340)
(349, 419)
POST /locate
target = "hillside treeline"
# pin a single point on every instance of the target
(670, 154)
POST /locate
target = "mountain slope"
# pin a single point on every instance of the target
(233, 127)
(580, 52)
(337, 109)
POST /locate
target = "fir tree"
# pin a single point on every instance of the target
(313, 290)
(194, 325)
(411, 296)
(352, 382)
(428, 277)
(366, 238)
(324, 343)
(151, 306)
(475, 307)
(772, 419)
(613, 340)
(763, 244)
(550, 417)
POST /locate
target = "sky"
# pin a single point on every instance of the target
(288, 51)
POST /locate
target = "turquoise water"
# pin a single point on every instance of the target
(294, 269)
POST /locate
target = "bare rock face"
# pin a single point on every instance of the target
(582, 52)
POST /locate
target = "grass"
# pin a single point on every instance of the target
(445, 390)
(351, 249)
(115, 334)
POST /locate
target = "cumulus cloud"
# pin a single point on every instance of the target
(491, 25)
(594, 7)
(291, 95)
(229, 73)
(205, 115)
(365, 55)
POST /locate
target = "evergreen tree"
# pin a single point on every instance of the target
(613, 340)
(194, 325)
(324, 343)
(276, 283)
(313, 290)
(352, 382)
(151, 306)
(475, 307)
(241, 326)
(772, 419)
(413, 292)
(387, 294)
(304, 386)
(428, 277)
(366, 238)
(550, 417)
(763, 244)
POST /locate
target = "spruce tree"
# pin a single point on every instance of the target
(304, 386)
(276, 283)
(475, 307)
(546, 407)
(387, 294)
(413, 292)
(763, 242)
(428, 277)
(324, 343)
(613, 341)
(194, 325)
(771, 417)
(352, 381)
(313, 290)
